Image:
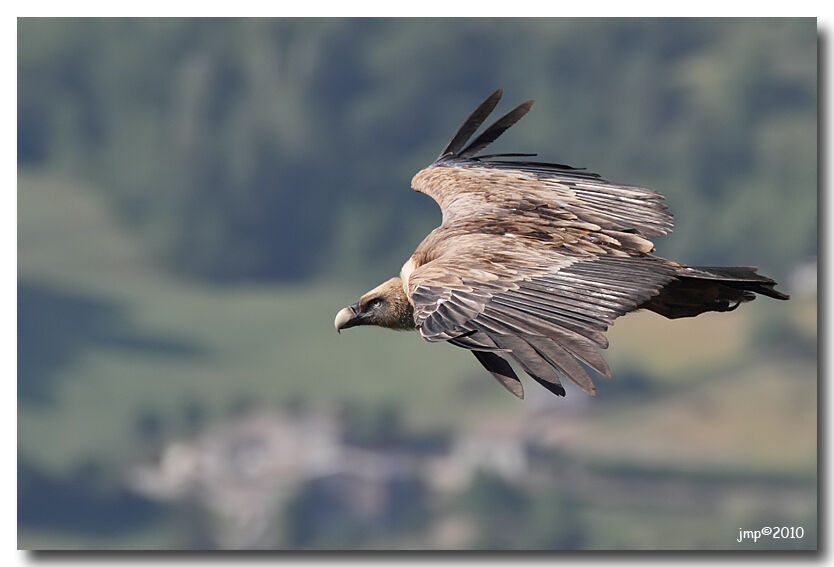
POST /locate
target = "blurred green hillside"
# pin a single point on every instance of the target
(197, 198)
(118, 358)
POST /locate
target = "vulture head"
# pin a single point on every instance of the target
(384, 306)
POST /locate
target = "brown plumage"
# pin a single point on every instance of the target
(533, 261)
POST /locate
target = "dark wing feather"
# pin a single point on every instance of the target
(532, 363)
(502, 371)
(472, 123)
(498, 127)
(481, 158)
(539, 166)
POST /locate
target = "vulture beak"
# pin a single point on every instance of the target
(348, 317)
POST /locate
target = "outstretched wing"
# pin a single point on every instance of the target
(544, 307)
(533, 261)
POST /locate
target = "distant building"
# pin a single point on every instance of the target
(247, 471)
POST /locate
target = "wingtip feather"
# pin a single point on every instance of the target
(472, 123)
(496, 129)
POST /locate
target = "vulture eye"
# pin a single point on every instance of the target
(375, 303)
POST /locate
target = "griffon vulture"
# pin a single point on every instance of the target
(533, 261)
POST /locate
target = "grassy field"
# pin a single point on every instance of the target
(111, 344)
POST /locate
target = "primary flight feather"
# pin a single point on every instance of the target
(533, 261)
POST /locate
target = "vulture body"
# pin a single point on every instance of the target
(533, 261)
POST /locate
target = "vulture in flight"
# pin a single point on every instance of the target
(533, 261)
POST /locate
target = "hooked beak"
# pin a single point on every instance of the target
(348, 317)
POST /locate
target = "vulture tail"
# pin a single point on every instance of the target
(698, 290)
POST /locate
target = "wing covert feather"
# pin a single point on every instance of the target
(472, 188)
